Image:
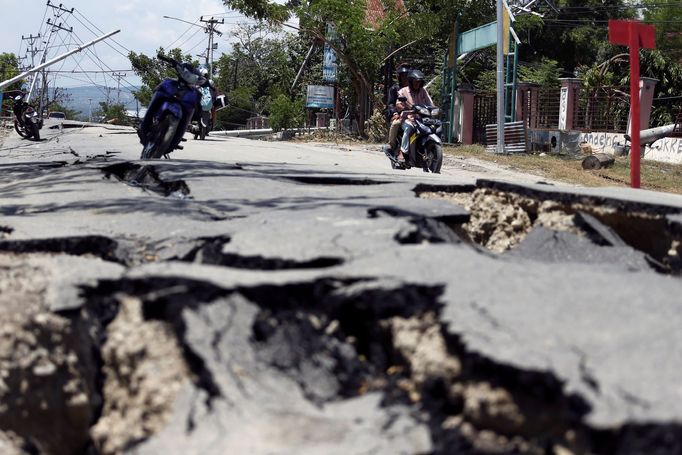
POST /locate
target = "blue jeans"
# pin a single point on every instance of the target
(408, 129)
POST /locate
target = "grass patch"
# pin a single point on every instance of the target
(654, 176)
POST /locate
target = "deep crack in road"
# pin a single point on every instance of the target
(240, 300)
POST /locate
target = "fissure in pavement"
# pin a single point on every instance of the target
(147, 177)
(567, 228)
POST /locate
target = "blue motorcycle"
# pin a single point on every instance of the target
(170, 111)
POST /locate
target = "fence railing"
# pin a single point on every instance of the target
(485, 113)
(601, 109)
(543, 108)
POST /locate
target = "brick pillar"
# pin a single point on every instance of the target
(569, 90)
(466, 105)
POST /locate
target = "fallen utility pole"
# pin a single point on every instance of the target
(23, 75)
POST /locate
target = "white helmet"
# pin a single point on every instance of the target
(203, 71)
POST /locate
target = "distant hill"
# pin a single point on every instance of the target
(80, 99)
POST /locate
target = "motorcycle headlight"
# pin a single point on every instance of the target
(435, 112)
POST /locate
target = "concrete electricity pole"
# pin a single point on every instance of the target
(500, 78)
(118, 77)
(57, 59)
(32, 49)
(210, 29)
(57, 11)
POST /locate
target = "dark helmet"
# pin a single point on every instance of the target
(403, 69)
(415, 75)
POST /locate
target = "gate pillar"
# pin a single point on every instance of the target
(466, 105)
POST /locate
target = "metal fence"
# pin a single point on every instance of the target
(542, 110)
(602, 109)
(485, 112)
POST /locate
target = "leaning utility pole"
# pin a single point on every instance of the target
(58, 59)
(57, 12)
(210, 29)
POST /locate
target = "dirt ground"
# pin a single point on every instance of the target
(39, 348)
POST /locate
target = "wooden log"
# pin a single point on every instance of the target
(598, 161)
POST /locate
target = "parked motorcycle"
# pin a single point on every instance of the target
(426, 146)
(27, 122)
(170, 111)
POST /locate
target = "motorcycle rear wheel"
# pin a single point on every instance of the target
(21, 130)
(162, 137)
(434, 154)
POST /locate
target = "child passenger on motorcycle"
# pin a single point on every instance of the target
(393, 116)
(415, 93)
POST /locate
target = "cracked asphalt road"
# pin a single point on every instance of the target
(281, 268)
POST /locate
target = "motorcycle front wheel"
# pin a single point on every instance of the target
(21, 130)
(34, 131)
(434, 157)
(162, 137)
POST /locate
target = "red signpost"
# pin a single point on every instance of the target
(635, 35)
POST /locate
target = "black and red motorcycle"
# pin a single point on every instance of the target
(27, 121)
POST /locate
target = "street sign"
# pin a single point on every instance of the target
(485, 35)
(320, 97)
(635, 35)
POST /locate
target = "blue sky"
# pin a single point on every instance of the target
(143, 29)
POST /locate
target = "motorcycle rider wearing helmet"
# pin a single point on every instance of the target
(206, 89)
(393, 117)
(415, 93)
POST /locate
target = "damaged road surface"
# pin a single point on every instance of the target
(218, 304)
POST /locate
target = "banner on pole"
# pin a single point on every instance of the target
(329, 65)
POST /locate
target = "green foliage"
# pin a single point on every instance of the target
(576, 36)
(260, 60)
(667, 17)
(9, 67)
(112, 113)
(152, 71)
(546, 73)
(239, 110)
(70, 113)
(285, 113)
(486, 81)
(668, 71)
(260, 9)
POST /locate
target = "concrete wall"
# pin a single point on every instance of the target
(555, 141)
(667, 150)
(603, 142)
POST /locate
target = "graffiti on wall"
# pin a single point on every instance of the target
(603, 142)
(668, 150)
